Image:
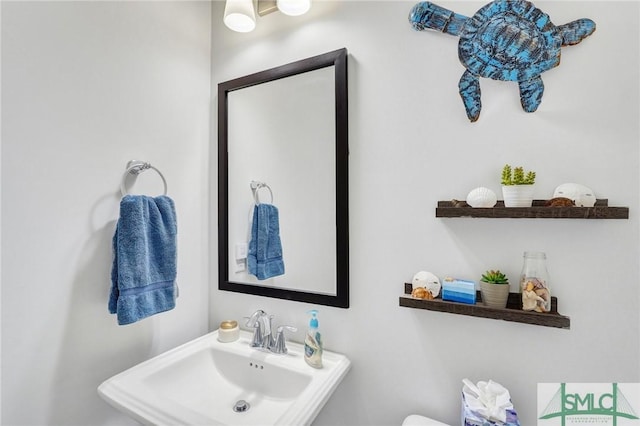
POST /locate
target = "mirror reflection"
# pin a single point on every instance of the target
(285, 139)
(283, 186)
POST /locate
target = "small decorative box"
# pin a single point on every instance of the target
(457, 290)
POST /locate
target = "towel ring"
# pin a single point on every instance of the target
(136, 167)
(255, 187)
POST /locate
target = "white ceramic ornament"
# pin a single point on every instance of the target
(482, 197)
(580, 194)
(427, 280)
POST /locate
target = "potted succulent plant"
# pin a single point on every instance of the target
(494, 288)
(517, 186)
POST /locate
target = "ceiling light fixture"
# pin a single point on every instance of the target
(239, 15)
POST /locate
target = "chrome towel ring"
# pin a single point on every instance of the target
(256, 186)
(135, 167)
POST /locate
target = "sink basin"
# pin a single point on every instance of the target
(202, 381)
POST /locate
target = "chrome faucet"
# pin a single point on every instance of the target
(263, 337)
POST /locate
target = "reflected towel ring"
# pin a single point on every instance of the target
(255, 187)
(136, 167)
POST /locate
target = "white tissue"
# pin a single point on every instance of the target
(489, 399)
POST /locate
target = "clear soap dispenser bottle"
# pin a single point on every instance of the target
(313, 342)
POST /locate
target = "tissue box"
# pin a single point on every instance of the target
(470, 418)
(457, 290)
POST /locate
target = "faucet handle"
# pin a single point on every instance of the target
(251, 321)
(280, 344)
(258, 323)
(258, 336)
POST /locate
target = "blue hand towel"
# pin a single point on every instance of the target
(144, 263)
(265, 248)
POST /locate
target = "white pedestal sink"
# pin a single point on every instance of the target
(200, 383)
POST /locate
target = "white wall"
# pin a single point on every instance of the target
(86, 87)
(411, 145)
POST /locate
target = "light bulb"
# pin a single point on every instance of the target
(294, 7)
(239, 15)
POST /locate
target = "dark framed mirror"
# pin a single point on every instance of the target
(283, 140)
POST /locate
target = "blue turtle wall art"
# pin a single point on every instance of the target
(509, 40)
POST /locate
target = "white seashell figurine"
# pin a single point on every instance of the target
(583, 196)
(427, 280)
(482, 197)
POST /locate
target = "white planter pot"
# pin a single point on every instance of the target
(494, 295)
(517, 195)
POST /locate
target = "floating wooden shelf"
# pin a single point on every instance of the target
(513, 311)
(537, 211)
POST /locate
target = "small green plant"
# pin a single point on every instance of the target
(516, 176)
(495, 277)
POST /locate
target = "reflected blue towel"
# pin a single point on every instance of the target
(144, 263)
(265, 249)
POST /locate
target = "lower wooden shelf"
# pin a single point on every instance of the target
(513, 311)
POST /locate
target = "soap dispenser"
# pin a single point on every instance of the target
(313, 342)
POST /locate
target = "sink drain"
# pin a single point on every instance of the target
(241, 406)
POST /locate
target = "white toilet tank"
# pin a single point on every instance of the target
(416, 420)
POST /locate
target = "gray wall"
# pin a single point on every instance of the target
(411, 145)
(86, 87)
